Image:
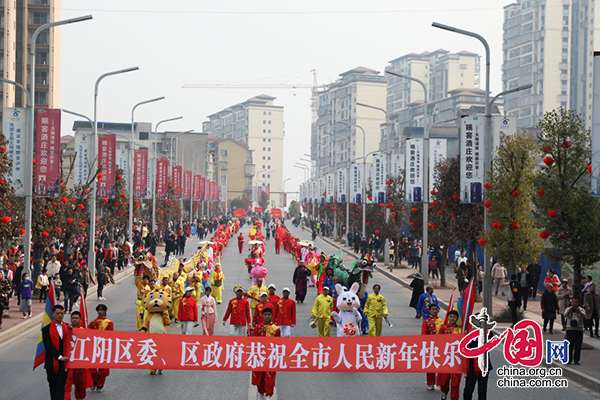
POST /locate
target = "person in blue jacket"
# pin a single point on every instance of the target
(25, 292)
(364, 325)
(425, 300)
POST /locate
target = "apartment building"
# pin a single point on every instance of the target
(18, 20)
(258, 123)
(440, 71)
(550, 44)
(335, 144)
(234, 170)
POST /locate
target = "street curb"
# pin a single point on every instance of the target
(568, 372)
(38, 319)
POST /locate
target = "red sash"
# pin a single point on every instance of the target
(55, 338)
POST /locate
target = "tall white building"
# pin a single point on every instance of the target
(550, 44)
(337, 145)
(440, 71)
(258, 123)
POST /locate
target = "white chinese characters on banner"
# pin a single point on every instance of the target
(356, 174)
(472, 152)
(83, 143)
(342, 174)
(437, 152)
(414, 170)
(321, 195)
(14, 126)
(378, 178)
(397, 165)
(315, 191)
(330, 188)
(122, 163)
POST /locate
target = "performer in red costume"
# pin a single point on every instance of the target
(265, 380)
(241, 242)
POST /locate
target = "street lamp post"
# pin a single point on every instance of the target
(489, 153)
(364, 207)
(154, 171)
(131, 163)
(92, 235)
(386, 251)
(425, 258)
(30, 134)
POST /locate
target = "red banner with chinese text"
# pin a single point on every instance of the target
(133, 350)
(162, 178)
(206, 191)
(257, 209)
(259, 195)
(276, 212)
(268, 191)
(47, 153)
(107, 148)
(215, 191)
(203, 188)
(239, 213)
(197, 188)
(187, 185)
(285, 199)
(140, 178)
(177, 172)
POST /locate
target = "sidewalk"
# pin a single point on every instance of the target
(13, 323)
(587, 373)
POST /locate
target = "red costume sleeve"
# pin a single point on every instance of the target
(228, 312)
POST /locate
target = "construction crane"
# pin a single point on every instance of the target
(314, 101)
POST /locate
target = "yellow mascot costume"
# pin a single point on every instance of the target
(157, 304)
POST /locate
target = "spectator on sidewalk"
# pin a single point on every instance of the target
(514, 298)
(42, 284)
(85, 277)
(415, 253)
(461, 276)
(25, 292)
(591, 304)
(499, 275)
(535, 271)
(549, 305)
(525, 281)
(586, 282)
(53, 266)
(70, 288)
(552, 279)
(462, 259)
(418, 289)
(575, 316)
(564, 294)
(480, 275)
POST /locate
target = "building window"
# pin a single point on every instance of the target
(264, 131)
(270, 111)
(223, 153)
(269, 140)
(269, 131)
(269, 149)
(264, 113)
(41, 58)
(143, 135)
(40, 18)
(263, 167)
(264, 140)
(269, 122)
(270, 156)
(263, 157)
(268, 176)
(264, 148)
(263, 175)
(268, 167)
(264, 122)
(41, 97)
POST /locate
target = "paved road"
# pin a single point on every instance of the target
(18, 382)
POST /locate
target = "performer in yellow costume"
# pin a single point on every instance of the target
(321, 310)
(196, 280)
(177, 291)
(254, 294)
(376, 309)
(216, 282)
(141, 283)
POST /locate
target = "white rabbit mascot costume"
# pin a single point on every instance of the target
(348, 318)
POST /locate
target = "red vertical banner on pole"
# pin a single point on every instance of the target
(197, 187)
(259, 194)
(215, 191)
(202, 187)
(187, 185)
(285, 199)
(47, 168)
(205, 190)
(162, 178)
(268, 190)
(177, 172)
(107, 148)
(140, 178)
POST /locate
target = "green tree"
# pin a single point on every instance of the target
(565, 207)
(294, 209)
(263, 201)
(115, 212)
(236, 203)
(514, 238)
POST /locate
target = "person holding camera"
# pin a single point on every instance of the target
(574, 316)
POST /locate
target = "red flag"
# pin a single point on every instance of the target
(40, 352)
(84, 312)
(450, 305)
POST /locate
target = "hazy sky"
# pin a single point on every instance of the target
(241, 41)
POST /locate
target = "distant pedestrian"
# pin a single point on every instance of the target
(418, 289)
(514, 298)
(43, 282)
(549, 305)
(25, 292)
(591, 304)
(526, 285)
(575, 316)
(535, 270)
(499, 275)
(564, 294)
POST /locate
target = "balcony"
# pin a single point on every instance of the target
(249, 169)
